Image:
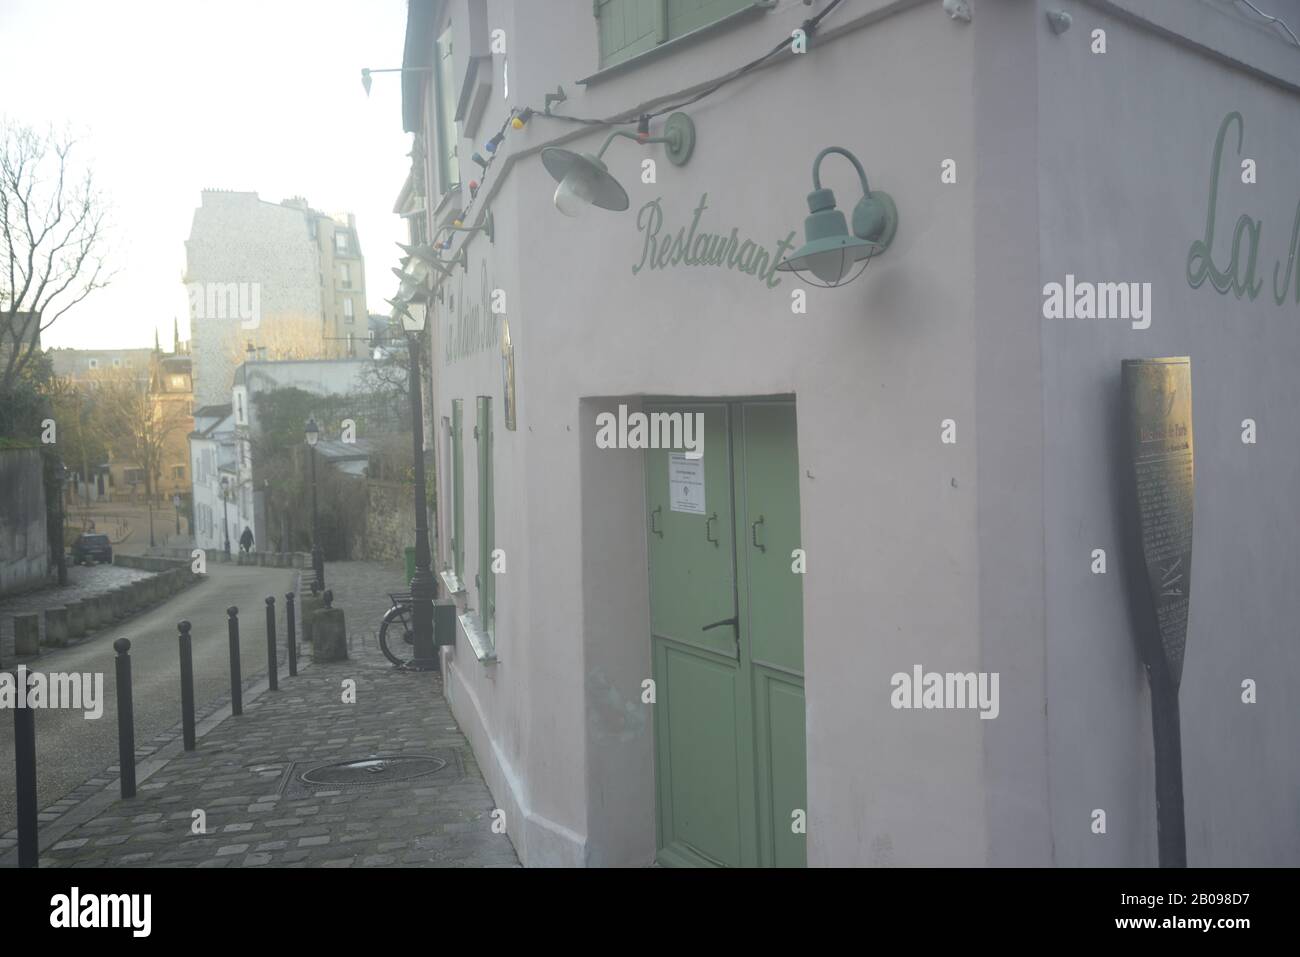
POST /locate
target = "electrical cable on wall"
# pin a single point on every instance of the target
(520, 116)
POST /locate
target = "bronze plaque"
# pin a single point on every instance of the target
(1158, 423)
(508, 373)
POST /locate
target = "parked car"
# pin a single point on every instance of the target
(88, 548)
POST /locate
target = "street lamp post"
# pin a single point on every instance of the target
(424, 588)
(61, 476)
(317, 555)
(176, 504)
(225, 513)
(148, 497)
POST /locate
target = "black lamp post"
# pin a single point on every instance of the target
(225, 514)
(176, 504)
(317, 556)
(61, 477)
(424, 588)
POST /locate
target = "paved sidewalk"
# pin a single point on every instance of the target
(245, 775)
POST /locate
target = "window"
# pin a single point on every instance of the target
(629, 27)
(178, 382)
(458, 487)
(340, 244)
(345, 273)
(94, 363)
(133, 476)
(348, 311)
(487, 591)
(117, 363)
(178, 471)
(445, 112)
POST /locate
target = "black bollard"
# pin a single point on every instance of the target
(236, 681)
(292, 636)
(25, 762)
(272, 662)
(125, 719)
(187, 684)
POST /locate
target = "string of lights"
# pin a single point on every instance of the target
(519, 117)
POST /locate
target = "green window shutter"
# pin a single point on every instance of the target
(686, 15)
(444, 79)
(486, 515)
(458, 487)
(630, 27)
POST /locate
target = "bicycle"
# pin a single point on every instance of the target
(399, 618)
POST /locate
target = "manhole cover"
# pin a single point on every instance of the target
(378, 769)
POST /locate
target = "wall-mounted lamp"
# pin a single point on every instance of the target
(414, 314)
(428, 256)
(365, 73)
(486, 225)
(551, 99)
(584, 179)
(830, 251)
(443, 266)
(414, 287)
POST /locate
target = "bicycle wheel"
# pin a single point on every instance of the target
(396, 631)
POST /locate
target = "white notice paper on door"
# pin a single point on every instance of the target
(685, 483)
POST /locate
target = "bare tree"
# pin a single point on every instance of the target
(52, 239)
(137, 426)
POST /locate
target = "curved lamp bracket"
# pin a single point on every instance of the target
(875, 217)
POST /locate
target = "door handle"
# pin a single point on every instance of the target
(753, 530)
(733, 620)
(653, 512)
(707, 536)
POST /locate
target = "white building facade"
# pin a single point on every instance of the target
(695, 660)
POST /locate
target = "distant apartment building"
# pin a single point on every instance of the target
(283, 277)
(171, 389)
(167, 379)
(230, 479)
(88, 366)
(215, 476)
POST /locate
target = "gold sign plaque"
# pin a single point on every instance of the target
(1161, 485)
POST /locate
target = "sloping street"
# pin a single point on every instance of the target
(71, 749)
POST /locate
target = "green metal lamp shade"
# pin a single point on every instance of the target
(832, 258)
(584, 179)
(830, 248)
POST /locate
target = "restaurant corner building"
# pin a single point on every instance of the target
(694, 660)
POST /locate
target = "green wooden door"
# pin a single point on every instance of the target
(727, 639)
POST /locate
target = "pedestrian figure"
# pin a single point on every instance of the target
(246, 540)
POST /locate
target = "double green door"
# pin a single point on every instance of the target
(726, 603)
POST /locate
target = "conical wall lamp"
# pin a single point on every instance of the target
(584, 179)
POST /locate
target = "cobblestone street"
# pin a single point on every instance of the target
(245, 777)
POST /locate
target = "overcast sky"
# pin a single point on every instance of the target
(167, 97)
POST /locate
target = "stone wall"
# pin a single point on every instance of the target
(24, 542)
(390, 521)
